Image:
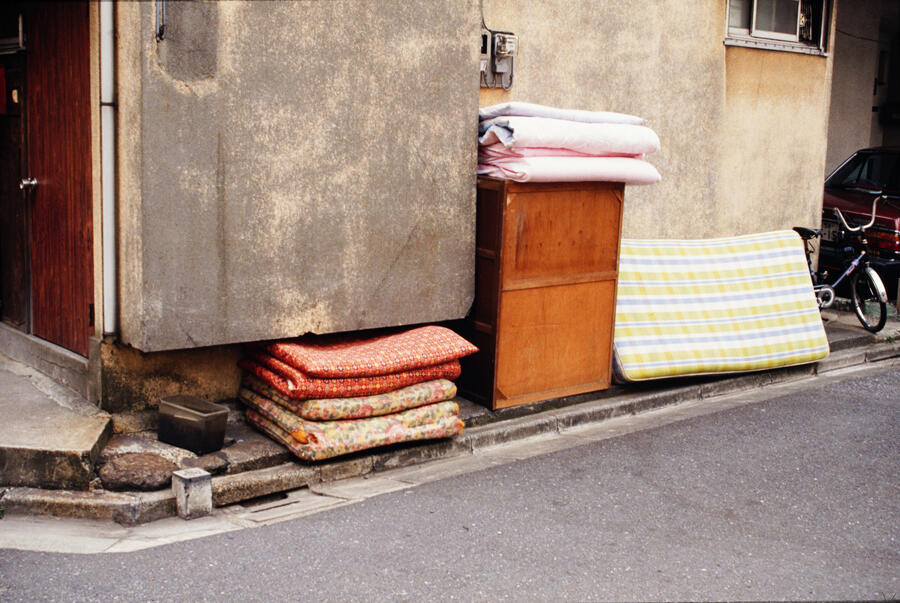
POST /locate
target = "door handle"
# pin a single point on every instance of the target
(28, 183)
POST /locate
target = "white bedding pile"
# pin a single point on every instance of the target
(533, 143)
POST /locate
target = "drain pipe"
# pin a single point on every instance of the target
(108, 164)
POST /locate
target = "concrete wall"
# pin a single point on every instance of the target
(309, 166)
(294, 167)
(773, 140)
(742, 131)
(852, 124)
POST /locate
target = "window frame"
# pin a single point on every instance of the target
(755, 38)
(767, 34)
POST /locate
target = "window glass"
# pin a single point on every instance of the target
(868, 171)
(880, 170)
(848, 174)
(739, 14)
(779, 16)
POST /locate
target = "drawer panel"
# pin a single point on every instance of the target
(554, 337)
(551, 233)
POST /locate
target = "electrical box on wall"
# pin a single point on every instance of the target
(498, 51)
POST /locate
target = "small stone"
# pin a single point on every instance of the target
(137, 471)
(193, 493)
(214, 463)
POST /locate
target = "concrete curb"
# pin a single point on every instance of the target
(139, 507)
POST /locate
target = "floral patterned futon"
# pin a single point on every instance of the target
(327, 396)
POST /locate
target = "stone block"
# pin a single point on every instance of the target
(193, 492)
(841, 359)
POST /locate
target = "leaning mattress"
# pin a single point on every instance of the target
(699, 307)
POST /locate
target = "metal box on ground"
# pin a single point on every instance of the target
(191, 423)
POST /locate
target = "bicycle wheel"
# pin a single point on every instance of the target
(870, 310)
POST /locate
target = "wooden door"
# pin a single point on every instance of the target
(58, 140)
(14, 237)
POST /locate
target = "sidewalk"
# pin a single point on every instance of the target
(251, 466)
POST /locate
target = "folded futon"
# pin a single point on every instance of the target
(326, 396)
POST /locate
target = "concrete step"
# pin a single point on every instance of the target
(64, 367)
(50, 437)
(843, 335)
(52, 440)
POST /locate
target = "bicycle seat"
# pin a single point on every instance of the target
(807, 233)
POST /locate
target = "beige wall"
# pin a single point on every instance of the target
(742, 131)
(773, 140)
(855, 66)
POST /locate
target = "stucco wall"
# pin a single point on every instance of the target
(293, 167)
(773, 140)
(851, 120)
(743, 131)
(308, 166)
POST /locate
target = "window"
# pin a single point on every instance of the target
(878, 170)
(793, 25)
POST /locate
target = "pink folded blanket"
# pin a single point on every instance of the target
(499, 151)
(599, 139)
(571, 169)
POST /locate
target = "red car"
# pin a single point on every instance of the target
(851, 189)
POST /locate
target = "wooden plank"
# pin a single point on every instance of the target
(563, 279)
(500, 400)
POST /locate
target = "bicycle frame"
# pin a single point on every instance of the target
(825, 291)
(854, 264)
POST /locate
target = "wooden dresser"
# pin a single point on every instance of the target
(545, 290)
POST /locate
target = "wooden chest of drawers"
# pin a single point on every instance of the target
(545, 290)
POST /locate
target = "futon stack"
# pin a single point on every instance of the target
(327, 396)
(534, 143)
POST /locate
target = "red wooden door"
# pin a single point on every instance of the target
(58, 144)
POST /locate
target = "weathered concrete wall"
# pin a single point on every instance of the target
(851, 120)
(134, 381)
(742, 131)
(294, 167)
(773, 140)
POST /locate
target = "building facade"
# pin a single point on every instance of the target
(255, 171)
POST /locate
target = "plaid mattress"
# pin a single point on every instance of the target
(315, 440)
(696, 307)
(341, 357)
(330, 409)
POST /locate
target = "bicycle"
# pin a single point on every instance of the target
(867, 291)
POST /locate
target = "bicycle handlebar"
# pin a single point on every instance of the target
(867, 226)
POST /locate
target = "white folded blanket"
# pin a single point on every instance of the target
(533, 110)
(571, 169)
(585, 138)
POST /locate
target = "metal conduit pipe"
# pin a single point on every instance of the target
(108, 164)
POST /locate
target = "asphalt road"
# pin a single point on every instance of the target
(793, 498)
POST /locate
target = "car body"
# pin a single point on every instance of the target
(851, 188)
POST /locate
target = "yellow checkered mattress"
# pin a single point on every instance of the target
(699, 307)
